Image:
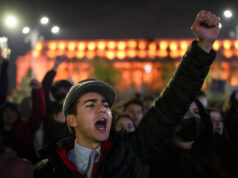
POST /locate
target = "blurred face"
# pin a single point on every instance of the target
(192, 111)
(9, 116)
(135, 112)
(92, 122)
(125, 123)
(217, 122)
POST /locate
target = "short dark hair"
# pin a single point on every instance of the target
(133, 101)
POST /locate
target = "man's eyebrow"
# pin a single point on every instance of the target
(90, 100)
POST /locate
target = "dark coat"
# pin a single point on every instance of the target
(128, 155)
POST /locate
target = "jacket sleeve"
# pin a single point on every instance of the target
(161, 120)
(47, 83)
(3, 81)
(38, 113)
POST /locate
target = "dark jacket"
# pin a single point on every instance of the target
(12, 166)
(128, 155)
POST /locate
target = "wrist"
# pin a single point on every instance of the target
(204, 45)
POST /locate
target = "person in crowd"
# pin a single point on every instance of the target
(124, 123)
(93, 152)
(223, 146)
(231, 117)
(4, 62)
(217, 120)
(135, 109)
(190, 152)
(55, 92)
(54, 96)
(58, 128)
(9, 116)
(21, 131)
(11, 165)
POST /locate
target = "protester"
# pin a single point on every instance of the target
(95, 153)
(190, 152)
(54, 96)
(124, 123)
(11, 165)
(135, 109)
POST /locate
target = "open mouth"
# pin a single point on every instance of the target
(101, 124)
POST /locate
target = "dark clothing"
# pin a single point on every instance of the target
(175, 162)
(24, 131)
(129, 155)
(3, 81)
(46, 85)
(12, 166)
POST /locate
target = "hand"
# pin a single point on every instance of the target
(35, 85)
(58, 61)
(206, 29)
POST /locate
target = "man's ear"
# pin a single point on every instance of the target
(72, 121)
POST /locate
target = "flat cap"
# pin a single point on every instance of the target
(85, 86)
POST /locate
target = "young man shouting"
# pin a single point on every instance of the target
(93, 152)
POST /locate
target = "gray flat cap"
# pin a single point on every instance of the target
(90, 85)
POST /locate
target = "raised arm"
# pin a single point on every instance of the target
(49, 77)
(160, 122)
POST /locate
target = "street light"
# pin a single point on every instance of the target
(44, 20)
(55, 29)
(229, 15)
(26, 30)
(11, 21)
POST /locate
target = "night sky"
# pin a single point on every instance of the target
(97, 19)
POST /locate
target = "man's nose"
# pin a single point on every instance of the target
(100, 107)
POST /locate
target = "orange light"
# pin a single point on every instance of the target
(132, 44)
(184, 45)
(60, 52)
(51, 54)
(101, 53)
(236, 44)
(52, 46)
(151, 54)
(131, 53)
(80, 54)
(101, 45)
(121, 54)
(152, 46)
(81, 46)
(216, 45)
(38, 46)
(91, 46)
(174, 54)
(121, 45)
(70, 54)
(227, 53)
(163, 45)
(142, 45)
(61, 46)
(90, 55)
(173, 46)
(110, 55)
(162, 53)
(71, 46)
(111, 45)
(142, 54)
(227, 44)
(236, 52)
(36, 53)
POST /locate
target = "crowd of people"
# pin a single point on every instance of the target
(81, 130)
